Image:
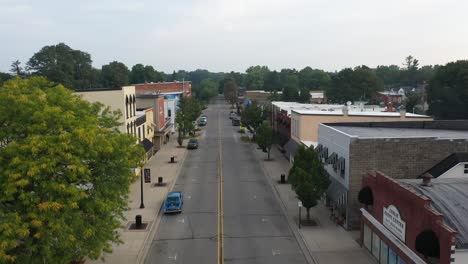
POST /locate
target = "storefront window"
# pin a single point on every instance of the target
(383, 253)
(392, 257)
(401, 261)
(368, 237)
(375, 245)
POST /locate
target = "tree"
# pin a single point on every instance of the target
(64, 65)
(16, 68)
(208, 90)
(64, 177)
(412, 100)
(256, 77)
(359, 83)
(189, 110)
(389, 75)
(448, 90)
(291, 88)
(308, 177)
(272, 82)
(253, 116)
(115, 75)
(143, 74)
(230, 91)
(4, 77)
(313, 79)
(265, 137)
(304, 96)
(410, 71)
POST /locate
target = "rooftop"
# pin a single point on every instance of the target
(335, 109)
(448, 163)
(450, 198)
(404, 129)
(356, 112)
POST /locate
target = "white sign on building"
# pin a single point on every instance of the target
(393, 222)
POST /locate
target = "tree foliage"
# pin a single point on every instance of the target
(115, 75)
(291, 88)
(359, 83)
(448, 91)
(265, 137)
(189, 110)
(313, 79)
(144, 74)
(253, 115)
(308, 177)
(64, 65)
(230, 91)
(65, 173)
(17, 69)
(208, 90)
(256, 77)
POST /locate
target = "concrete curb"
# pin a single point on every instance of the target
(299, 237)
(146, 246)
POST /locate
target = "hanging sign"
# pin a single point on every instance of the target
(147, 174)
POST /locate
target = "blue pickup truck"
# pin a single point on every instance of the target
(173, 202)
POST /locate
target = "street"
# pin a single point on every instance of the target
(230, 213)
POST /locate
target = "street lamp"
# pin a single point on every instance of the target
(142, 205)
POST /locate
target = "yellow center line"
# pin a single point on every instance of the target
(220, 240)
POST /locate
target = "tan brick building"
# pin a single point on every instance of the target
(398, 149)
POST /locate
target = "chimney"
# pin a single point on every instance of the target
(345, 110)
(402, 113)
(427, 180)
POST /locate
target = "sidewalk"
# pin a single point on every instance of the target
(326, 242)
(136, 243)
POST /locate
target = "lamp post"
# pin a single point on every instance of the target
(299, 204)
(142, 205)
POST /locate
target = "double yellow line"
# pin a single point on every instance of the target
(220, 238)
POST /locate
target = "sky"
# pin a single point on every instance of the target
(231, 35)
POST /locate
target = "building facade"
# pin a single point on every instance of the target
(399, 149)
(184, 88)
(425, 223)
(122, 99)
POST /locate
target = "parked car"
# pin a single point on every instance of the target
(232, 115)
(192, 144)
(236, 122)
(173, 202)
(202, 121)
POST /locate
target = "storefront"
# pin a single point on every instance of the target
(415, 220)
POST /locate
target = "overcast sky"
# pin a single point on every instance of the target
(225, 35)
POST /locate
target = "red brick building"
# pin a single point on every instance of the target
(184, 88)
(415, 220)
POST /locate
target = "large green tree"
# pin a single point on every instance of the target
(189, 110)
(291, 88)
(142, 74)
(65, 173)
(208, 90)
(253, 115)
(256, 77)
(313, 79)
(359, 83)
(115, 75)
(4, 77)
(448, 91)
(64, 65)
(308, 177)
(272, 82)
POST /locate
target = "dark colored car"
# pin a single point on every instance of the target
(192, 144)
(173, 202)
(236, 122)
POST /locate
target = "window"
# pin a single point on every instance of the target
(169, 112)
(139, 134)
(375, 245)
(144, 135)
(466, 168)
(392, 257)
(368, 237)
(383, 252)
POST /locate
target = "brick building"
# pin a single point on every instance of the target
(415, 220)
(184, 88)
(399, 149)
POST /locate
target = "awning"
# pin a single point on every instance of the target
(336, 192)
(291, 148)
(147, 145)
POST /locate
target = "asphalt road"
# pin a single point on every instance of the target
(239, 221)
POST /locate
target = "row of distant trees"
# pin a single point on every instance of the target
(73, 68)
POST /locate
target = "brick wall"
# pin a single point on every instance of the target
(414, 209)
(398, 158)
